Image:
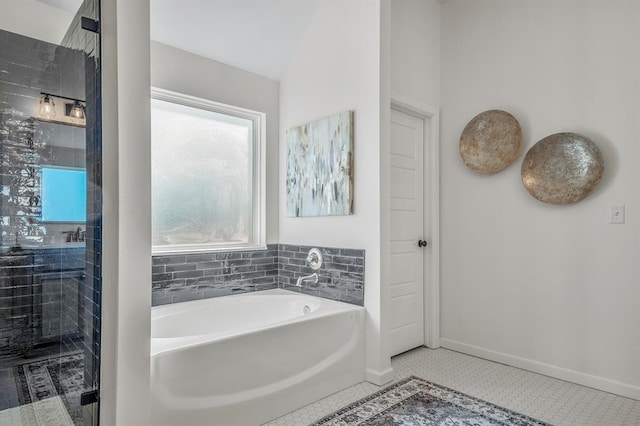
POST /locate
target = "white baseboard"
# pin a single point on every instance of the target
(379, 378)
(600, 383)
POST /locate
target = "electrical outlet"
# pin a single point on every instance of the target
(616, 214)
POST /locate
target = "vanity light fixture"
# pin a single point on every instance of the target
(74, 109)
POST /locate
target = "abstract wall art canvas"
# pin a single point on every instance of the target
(320, 167)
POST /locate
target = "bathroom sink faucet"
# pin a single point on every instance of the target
(313, 278)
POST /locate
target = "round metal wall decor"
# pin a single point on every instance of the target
(490, 141)
(562, 168)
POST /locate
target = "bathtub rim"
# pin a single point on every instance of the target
(165, 345)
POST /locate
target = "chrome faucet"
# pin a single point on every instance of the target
(313, 278)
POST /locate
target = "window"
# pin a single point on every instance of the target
(207, 180)
(64, 194)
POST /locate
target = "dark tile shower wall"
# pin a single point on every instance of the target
(36, 284)
(27, 67)
(179, 278)
(87, 44)
(49, 294)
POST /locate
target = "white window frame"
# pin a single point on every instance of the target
(259, 187)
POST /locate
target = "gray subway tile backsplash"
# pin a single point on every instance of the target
(178, 278)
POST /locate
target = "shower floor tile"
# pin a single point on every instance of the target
(551, 400)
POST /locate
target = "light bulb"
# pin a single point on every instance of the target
(47, 107)
(77, 110)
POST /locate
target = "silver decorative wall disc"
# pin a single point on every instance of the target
(490, 141)
(562, 168)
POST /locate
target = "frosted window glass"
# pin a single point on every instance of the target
(201, 176)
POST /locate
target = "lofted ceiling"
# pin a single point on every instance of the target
(68, 5)
(255, 35)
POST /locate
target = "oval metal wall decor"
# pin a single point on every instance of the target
(562, 168)
(490, 141)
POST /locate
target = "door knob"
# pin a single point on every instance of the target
(422, 243)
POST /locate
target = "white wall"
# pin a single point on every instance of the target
(335, 68)
(184, 72)
(35, 19)
(415, 83)
(126, 244)
(550, 288)
(415, 50)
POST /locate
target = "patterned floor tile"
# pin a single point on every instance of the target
(551, 400)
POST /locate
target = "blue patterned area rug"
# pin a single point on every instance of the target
(62, 376)
(417, 402)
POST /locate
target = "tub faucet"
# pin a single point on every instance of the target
(313, 278)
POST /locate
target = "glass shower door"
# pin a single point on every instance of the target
(50, 212)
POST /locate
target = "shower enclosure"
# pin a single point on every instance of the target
(50, 211)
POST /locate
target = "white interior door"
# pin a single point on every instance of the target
(407, 227)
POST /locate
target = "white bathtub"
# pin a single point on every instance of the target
(247, 359)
